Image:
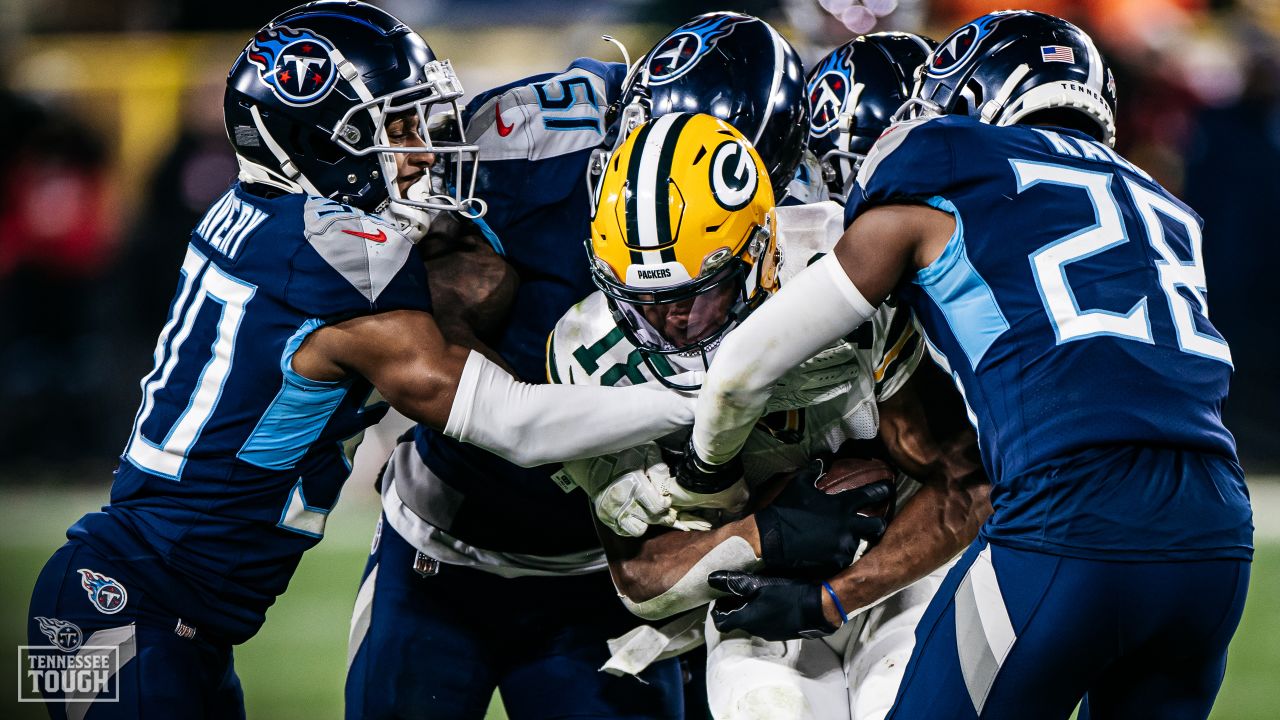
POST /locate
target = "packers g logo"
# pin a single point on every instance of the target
(733, 175)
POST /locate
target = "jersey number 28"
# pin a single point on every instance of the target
(1049, 263)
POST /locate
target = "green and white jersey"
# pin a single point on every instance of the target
(815, 408)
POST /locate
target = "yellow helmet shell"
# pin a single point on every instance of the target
(683, 195)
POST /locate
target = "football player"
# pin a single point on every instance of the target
(465, 531)
(661, 312)
(1062, 288)
(301, 291)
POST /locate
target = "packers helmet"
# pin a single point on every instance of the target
(683, 238)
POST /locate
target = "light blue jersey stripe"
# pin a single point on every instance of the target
(961, 294)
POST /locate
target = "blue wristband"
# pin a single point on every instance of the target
(836, 600)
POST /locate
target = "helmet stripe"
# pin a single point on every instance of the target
(648, 180)
(779, 60)
(633, 182)
(662, 219)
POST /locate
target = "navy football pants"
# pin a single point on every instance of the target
(437, 646)
(161, 675)
(1017, 634)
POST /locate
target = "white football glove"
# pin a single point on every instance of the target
(832, 372)
(627, 491)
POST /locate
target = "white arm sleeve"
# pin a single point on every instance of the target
(537, 424)
(818, 306)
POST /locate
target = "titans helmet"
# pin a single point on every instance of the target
(733, 66)
(1018, 66)
(853, 94)
(309, 101)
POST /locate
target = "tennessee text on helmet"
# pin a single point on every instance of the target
(310, 99)
(733, 66)
(1018, 66)
(853, 93)
(683, 238)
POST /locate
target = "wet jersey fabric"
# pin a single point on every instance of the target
(535, 137)
(235, 460)
(1069, 306)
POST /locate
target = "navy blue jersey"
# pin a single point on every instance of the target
(535, 137)
(1070, 307)
(235, 460)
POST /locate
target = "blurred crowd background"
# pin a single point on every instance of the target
(112, 146)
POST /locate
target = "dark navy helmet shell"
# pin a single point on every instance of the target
(853, 94)
(1019, 66)
(733, 66)
(309, 99)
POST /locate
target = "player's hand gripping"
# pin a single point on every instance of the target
(631, 494)
(813, 527)
(772, 608)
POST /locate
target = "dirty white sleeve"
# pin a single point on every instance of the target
(819, 306)
(538, 424)
(692, 590)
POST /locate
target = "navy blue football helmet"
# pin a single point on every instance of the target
(309, 99)
(733, 66)
(853, 94)
(1018, 66)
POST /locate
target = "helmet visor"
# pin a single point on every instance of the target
(686, 319)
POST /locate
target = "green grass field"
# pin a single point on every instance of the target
(294, 669)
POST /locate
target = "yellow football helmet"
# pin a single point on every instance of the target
(683, 237)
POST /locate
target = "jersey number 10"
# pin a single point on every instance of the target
(202, 281)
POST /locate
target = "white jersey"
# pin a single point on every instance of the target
(587, 347)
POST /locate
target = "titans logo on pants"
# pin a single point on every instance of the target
(296, 64)
(64, 635)
(107, 595)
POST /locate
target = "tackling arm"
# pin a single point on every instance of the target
(472, 287)
(450, 387)
(823, 303)
(928, 436)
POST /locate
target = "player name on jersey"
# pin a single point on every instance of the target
(228, 222)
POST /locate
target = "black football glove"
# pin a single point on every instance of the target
(697, 475)
(808, 530)
(772, 608)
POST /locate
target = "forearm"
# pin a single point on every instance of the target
(666, 572)
(935, 525)
(819, 306)
(537, 424)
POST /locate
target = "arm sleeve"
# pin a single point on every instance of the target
(819, 306)
(538, 424)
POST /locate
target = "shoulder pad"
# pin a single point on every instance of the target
(911, 160)
(365, 250)
(548, 117)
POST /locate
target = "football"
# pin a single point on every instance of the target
(852, 473)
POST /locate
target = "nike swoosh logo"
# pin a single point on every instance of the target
(503, 129)
(379, 237)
